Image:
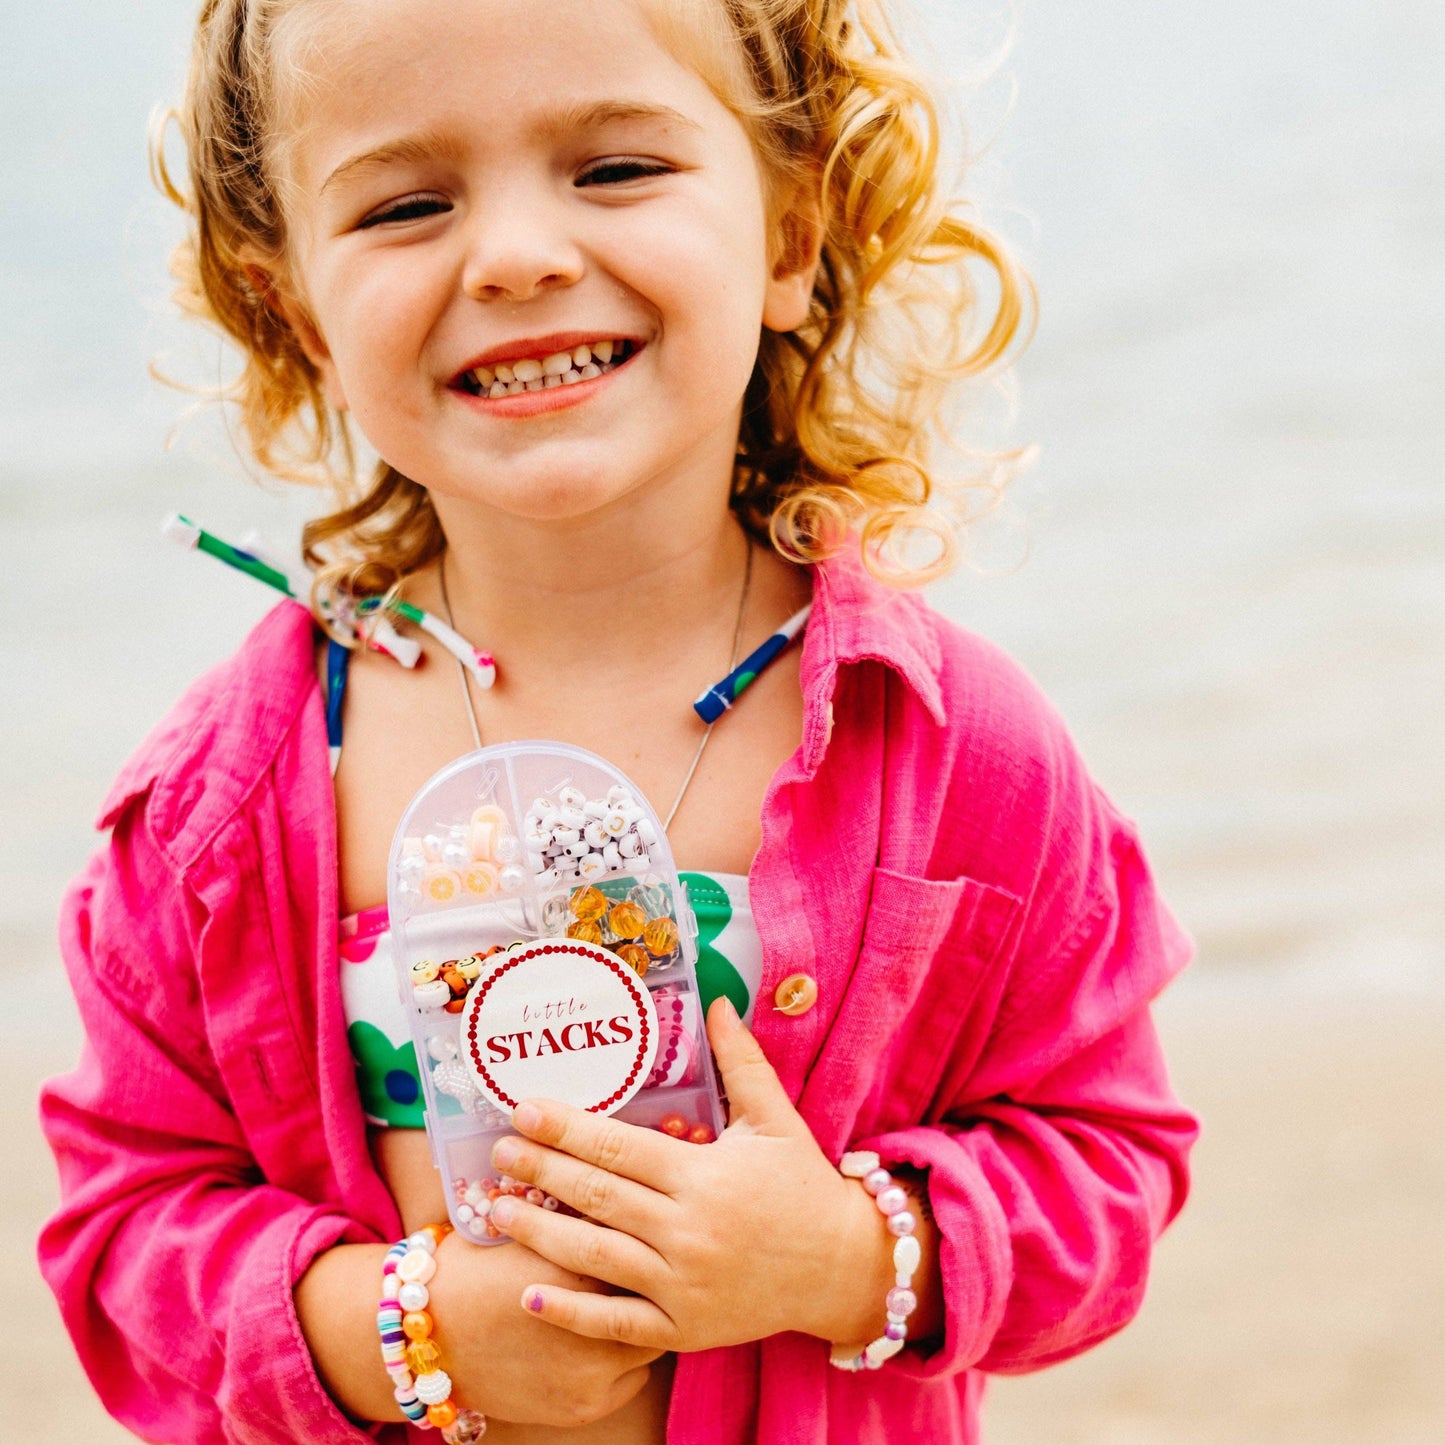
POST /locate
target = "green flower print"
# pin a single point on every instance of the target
(715, 975)
(387, 1077)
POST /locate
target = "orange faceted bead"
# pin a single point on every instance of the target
(660, 937)
(443, 1416)
(588, 904)
(423, 1357)
(673, 1124)
(635, 957)
(626, 920)
(584, 932)
(417, 1325)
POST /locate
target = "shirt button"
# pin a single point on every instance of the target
(796, 994)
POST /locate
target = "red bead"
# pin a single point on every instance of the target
(701, 1134)
(673, 1124)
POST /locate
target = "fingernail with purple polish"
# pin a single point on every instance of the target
(534, 1301)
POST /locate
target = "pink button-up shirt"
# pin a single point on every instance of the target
(985, 939)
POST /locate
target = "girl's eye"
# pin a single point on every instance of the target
(614, 172)
(411, 208)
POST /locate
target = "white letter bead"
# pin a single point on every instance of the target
(416, 1266)
(592, 868)
(612, 856)
(881, 1349)
(906, 1254)
(572, 798)
(856, 1165)
(413, 1296)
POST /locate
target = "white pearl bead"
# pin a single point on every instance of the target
(413, 1295)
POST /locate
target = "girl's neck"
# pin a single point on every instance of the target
(563, 595)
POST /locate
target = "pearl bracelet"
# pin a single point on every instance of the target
(422, 1388)
(892, 1203)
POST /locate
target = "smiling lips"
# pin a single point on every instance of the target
(562, 368)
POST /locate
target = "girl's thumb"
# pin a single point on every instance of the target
(754, 1091)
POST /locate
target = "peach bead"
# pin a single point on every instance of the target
(443, 1416)
(416, 1326)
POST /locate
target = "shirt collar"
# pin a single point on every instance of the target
(857, 618)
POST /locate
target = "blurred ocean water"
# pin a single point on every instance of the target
(1228, 567)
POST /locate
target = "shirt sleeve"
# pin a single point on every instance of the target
(1063, 1155)
(172, 1259)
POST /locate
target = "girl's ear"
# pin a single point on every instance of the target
(293, 313)
(795, 263)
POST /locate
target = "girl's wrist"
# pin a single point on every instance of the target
(854, 1308)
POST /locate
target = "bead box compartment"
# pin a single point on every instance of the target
(478, 865)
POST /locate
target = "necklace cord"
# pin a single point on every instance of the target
(707, 731)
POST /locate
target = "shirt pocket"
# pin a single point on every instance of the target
(927, 944)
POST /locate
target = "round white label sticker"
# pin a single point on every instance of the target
(559, 1019)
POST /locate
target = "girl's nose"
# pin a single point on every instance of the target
(517, 249)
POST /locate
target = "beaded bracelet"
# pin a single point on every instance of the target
(892, 1203)
(422, 1388)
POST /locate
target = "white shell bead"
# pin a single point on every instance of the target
(858, 1164)
(906, 1254)
(881, 1349)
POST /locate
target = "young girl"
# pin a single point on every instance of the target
(644, 306)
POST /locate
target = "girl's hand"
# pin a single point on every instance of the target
(512, 1365)
(716, 1243)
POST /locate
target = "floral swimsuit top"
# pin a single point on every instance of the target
(730, 961)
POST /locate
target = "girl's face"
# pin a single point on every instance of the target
(476, 185)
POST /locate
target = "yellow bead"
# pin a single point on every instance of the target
(417, 1325)
(588, 904)
(626, 920)
(423, 1357)
(584, 932)
(635, 957)
(660, 937)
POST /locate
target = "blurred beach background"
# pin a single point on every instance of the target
(1227, 568)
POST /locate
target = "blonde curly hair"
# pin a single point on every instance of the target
(840, 417)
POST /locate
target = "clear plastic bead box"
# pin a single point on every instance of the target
(523, 842)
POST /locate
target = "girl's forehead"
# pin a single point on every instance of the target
(508, 48)
(349, 66)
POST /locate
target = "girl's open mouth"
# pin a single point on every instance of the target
(585, 362)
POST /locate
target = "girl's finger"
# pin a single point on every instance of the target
(643, 1155)
(602, 1197)
(578, 1244)
(624, 1318)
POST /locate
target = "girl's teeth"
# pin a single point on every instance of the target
(563, 368)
